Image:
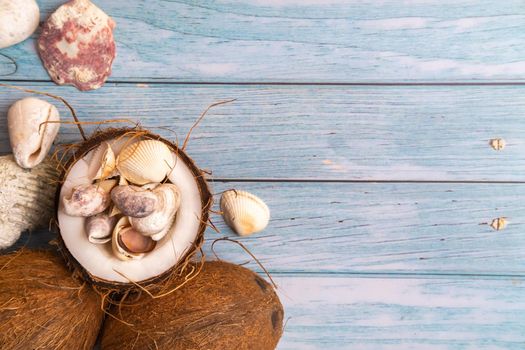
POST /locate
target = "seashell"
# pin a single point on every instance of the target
(100, 227)
(244, 212)
(145, 161)
(27, 198)
(31, 138)
(157, 224)
(129, 244)
(134, 201)
(102, 164)
(18, 20)
(89, 200)
(77, 45)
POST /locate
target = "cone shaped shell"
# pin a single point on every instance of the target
(103, 163)
(32, 130)
(145, 161)
(244, 212)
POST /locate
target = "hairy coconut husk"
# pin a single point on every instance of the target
(43, 307)
(226, 307)
(157, 283)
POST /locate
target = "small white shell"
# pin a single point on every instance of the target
(30, 139)
(102, 164)
(18, 20)
(128, 244)
(145, 161)
(157, 224)
(244, 212)
(89, 200)
(100, 227)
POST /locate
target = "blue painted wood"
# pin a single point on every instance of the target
(313, 40)
(318, 133)
(378, 228)
(334, 312)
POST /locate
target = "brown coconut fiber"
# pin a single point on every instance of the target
(226, 307)
(43, 307)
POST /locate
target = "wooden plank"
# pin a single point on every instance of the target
(380, 228)
(402, 314)
(326, 132)
(299, 41)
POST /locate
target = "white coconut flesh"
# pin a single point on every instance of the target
(99, 260)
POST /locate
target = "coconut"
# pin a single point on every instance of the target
(226, 306)
(154, 159)
(43, 307)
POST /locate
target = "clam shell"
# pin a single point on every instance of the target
(244, 212)
(77, 46)
(102, 164)
(145, 161)
(157, 224)
(88, 200)
(100, 227)
(127, 243)
(30, 139)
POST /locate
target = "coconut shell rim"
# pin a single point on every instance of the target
(206, 201)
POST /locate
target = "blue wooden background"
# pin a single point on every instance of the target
(365, 125)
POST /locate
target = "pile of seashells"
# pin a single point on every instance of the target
(128, 203)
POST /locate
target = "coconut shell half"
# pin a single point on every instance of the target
(226, 307)
(43, 307)
(97, 263)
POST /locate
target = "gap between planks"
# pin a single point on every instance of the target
(167, 81)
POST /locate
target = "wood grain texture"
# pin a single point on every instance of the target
(298, 41)
(402, 314)
(436, 133)
(379, 229)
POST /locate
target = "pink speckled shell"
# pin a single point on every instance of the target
(77, 45)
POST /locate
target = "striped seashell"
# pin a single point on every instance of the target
(145, 161)
(244, 212)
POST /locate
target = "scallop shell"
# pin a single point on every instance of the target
(89, 200)
(128, 244)
(77, 45)
(244, 212)
(145, 161)
(157, 224)
(102, 164)
(18, 20)
(100, 227)
(30, 136)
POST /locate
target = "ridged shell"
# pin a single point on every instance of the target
(145, 161)
(244, 212)
(100, 227)
(89, 200)
(102, 163)
(157, 224)
(128, 244)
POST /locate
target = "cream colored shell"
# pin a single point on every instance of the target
(244, 212)
(157, 224)
(99, 228)
(102, 164)
(88, 200)
(145, 161)
(26, 198)
(31, 138)
(120, 251)
(18, 20)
